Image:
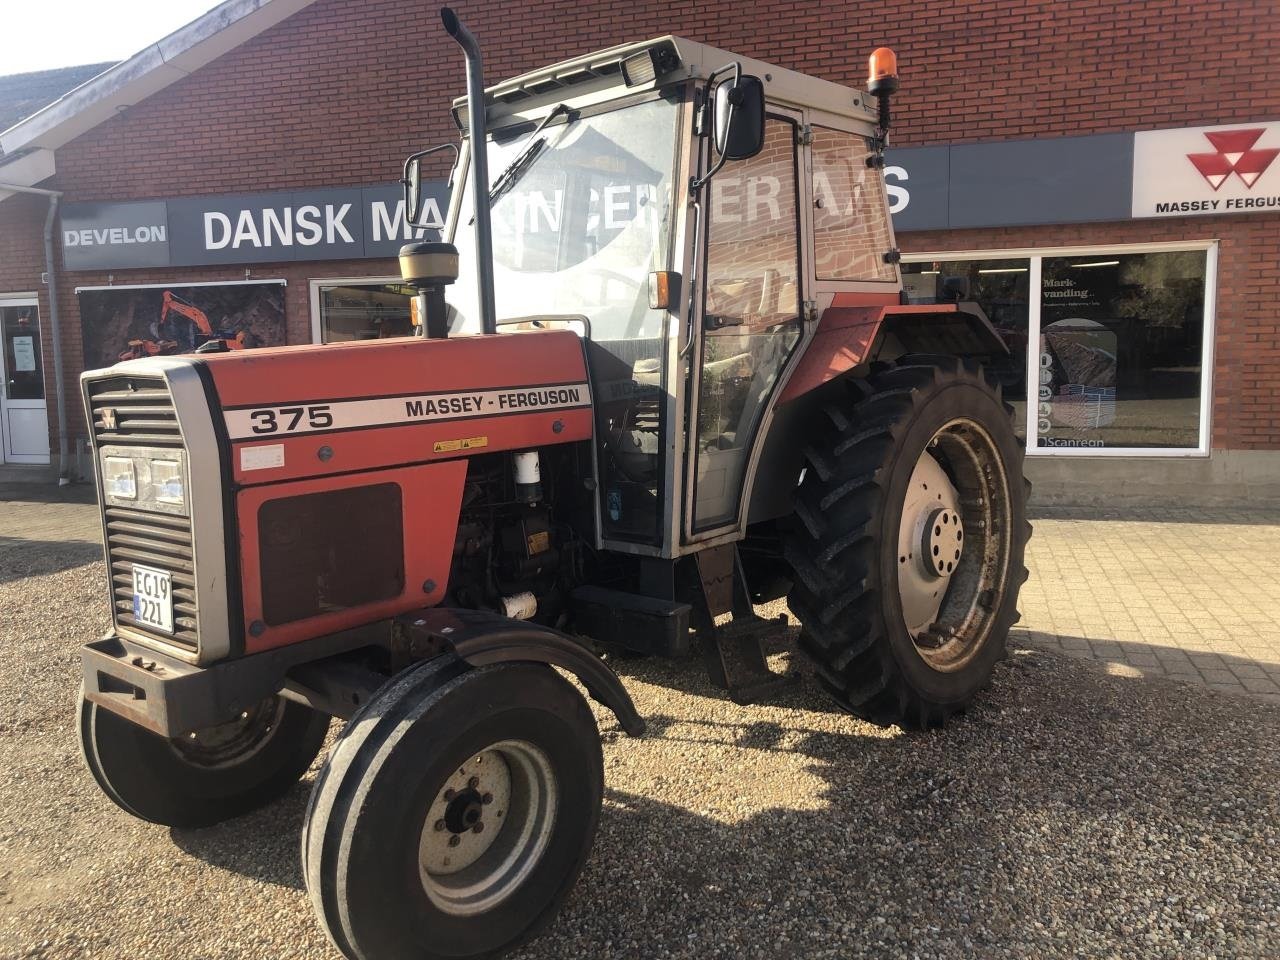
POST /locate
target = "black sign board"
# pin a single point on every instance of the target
(340, 223)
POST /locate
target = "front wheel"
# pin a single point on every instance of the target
(909, 538)
(207, 776)
(455, 812)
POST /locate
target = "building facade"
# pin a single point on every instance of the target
(1097, 179)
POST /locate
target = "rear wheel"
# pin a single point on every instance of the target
(909, 540)
(207, 776)
(455, 812)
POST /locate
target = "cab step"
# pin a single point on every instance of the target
(734, 650)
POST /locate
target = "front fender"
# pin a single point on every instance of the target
(480, 638)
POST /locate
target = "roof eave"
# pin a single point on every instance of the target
(185, 50)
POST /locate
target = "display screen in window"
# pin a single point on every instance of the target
(1121, 341)
(996, 290)
(365, 312)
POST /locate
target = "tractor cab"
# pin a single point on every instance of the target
(690, 213)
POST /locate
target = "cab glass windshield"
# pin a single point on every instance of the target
(579, 227)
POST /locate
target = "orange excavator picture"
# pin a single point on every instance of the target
(170, 336)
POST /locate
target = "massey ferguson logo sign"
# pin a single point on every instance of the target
(1206, 170)
(1233, 153)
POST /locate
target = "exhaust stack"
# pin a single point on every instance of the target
(479, 164)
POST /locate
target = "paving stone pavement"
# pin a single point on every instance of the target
(1192, 594)
(1187, 593)
(45, 514)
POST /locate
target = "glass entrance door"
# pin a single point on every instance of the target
(24, 421)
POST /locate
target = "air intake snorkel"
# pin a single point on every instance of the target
(479, 165)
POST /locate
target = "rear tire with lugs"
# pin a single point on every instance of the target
(908, 541)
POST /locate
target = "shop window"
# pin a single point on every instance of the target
(1121, 350)
(995, 289)
(850, 213)
(355, 310)
(1118, 334)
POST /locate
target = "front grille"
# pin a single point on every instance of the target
(153, 540)
(143, 415)
(142, 410)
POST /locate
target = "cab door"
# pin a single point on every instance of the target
(751, 317)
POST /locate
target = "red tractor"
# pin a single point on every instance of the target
(676, 380)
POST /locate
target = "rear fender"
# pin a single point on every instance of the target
(847, 338)
(481, 638)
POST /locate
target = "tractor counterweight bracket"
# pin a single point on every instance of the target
(482, 638)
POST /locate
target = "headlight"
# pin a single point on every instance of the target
(118, 478)
(166, 481)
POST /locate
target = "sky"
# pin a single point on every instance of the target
(43, 34)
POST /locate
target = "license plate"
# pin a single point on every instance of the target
(153, 598)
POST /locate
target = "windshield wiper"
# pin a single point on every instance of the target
(513, 171)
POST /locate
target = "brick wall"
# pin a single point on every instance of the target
(339, 93)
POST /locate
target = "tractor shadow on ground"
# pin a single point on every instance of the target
(264, 845)
(21, 558)
(1259, 513)
(1215, 669)
(690, 675)
(1057, 798)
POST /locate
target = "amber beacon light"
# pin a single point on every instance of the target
(882, 83)
(882, 79)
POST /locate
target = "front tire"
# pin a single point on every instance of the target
(455, 813)
(909, 539)
(207, 776)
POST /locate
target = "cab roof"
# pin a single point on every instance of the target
(649, 64)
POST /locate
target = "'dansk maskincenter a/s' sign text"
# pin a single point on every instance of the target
(1207, 170)
(331, 223)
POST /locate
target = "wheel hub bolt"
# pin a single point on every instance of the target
(479, 827)
(440, 824)
(487, 798)
(455, 840)
(473, 782)
(450, 793)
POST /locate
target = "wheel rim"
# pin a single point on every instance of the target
(953, 544)
(488, 827)
(232, 742)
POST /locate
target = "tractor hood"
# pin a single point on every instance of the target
(291, 412)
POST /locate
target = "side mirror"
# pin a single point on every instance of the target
(739, 130)
(412, 189)
(412, 180)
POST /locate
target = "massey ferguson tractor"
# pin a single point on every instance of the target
(663, 374)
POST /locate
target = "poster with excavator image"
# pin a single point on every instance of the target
(126, 322)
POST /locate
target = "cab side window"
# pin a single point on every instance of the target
(753, 264)
(850, 212)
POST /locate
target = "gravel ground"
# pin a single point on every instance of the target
(1070, 814)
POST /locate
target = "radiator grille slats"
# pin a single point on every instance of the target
(141, 409)
(138, 412)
